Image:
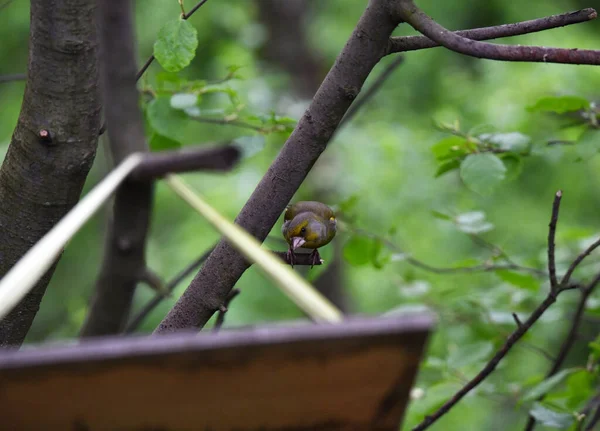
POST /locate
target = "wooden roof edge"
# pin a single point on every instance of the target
(115, 347)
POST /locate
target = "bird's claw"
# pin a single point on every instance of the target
(291, 258)
(315, 258)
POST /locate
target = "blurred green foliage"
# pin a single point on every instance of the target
(453, 164)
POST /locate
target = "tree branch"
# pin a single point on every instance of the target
(410, 13)
(551, 240)
(301, 259)
(522, 328)
(124, 252)
(41, 179)
(157, 165)
(13, 77)
(413, 43)
(224, 308)
(170, 287)
(151, 59)
(594, 420)
(342, 84)
(567, 277)
(372, 90)
(569, 339)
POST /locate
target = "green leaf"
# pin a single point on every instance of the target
(513, 141)
(525, 281)
(551, 418)
(359, 250)
(447, 167)
(440, 215)
(513, 164)
(482, 173)
(165, 120)
(168, 81)
(580, 387)
(560, 105)
(183, 100)
(160, 143)
(473, 222)
(380, 255)
(448, 148)
(176, 45)
(546, 386)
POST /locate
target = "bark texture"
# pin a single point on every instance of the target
(289, 48)
(366, 46)
(124, 263)
(54, 143)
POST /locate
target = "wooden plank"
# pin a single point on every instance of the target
(350, 376)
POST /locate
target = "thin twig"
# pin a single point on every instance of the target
(13, 77)
(159, 164)
(594, 421)
(567, 277)
(568, 341)
(491, 365)
(551, 242)
(224, 308)
(300, 259)
(372, 90)
(413, 43)
(539, 350)
(475, 268)
(225, 122)
(517, 320)
(135, 322)
(510, 265)
(409, 12)
(6, 3)
(508, 344)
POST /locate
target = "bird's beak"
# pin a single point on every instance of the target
(297, 242)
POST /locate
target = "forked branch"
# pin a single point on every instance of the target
(413, 43)
(409, 12)
(521, 329)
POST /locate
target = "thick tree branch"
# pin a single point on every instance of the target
(413, 43)
(410, 13)
(124, 260)
(157, 165)
(170, 287)
(224, 267)
(42, 177)
(522, 328)
(302, 259)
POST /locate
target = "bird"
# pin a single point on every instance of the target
(308, 224)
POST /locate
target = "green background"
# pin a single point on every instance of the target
(384, 159)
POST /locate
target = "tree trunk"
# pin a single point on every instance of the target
(54, 144)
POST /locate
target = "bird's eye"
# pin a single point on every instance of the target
(303, 230)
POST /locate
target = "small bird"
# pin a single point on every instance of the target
(308, 224)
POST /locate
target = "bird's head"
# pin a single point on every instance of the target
(308, 230)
